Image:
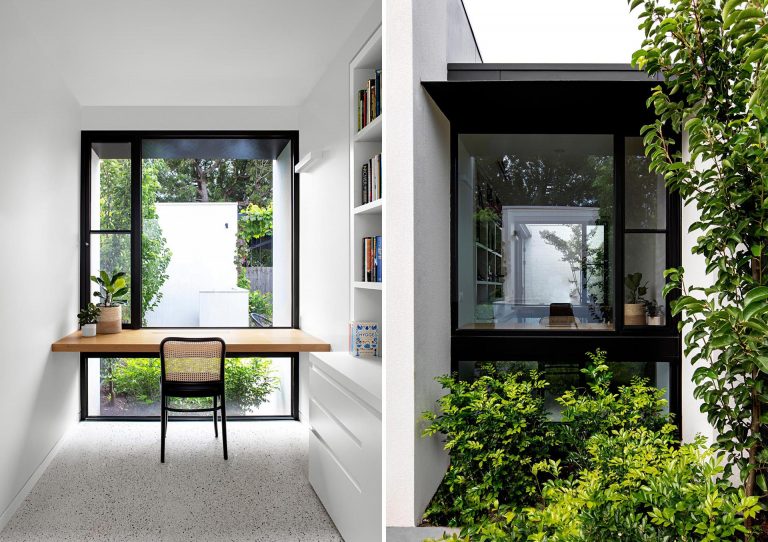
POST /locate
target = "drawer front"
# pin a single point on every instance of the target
(352, 414)
(356, 513)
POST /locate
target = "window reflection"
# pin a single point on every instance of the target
(535, 231)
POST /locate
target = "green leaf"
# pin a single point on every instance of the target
(755, 295)
(762, 363)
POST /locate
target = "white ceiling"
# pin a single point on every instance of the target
(191, 52)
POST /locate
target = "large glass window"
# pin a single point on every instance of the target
(535, 231)
(216, 245)
(109, 237)
(203, 224)
(130, 387)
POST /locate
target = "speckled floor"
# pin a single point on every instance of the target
(107, 483)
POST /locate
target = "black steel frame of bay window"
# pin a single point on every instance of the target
(294, 415)
(641, 343)
(135, 138)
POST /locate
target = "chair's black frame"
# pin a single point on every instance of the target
(213, 389)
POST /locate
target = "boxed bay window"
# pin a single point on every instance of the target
(560, 234)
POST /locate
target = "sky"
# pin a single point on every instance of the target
(568, 31)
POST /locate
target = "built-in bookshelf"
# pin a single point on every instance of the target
(367, 185)
(490, 272)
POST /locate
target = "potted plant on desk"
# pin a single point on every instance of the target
(87, 318)
(634, 308)
(654, 312)
(112, 291)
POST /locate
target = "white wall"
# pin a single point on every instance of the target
(324, 200)
(190, 118)
(201, 238)
(40, 182)
(282, 183)
(417, 260)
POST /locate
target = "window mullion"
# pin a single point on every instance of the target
(136, 227)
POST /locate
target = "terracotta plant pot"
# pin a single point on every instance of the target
(89, 330)
(634, 314)
(110, 320)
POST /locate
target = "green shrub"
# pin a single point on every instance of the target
(137, 378)
(642, 488)
(249, 381)
(597, 410)
(495, 429)
(260, 303)
(614, 468)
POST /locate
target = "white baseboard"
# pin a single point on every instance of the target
(11, 509)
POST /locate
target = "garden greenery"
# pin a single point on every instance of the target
(247, 384)
(713, 55)
(612, 470)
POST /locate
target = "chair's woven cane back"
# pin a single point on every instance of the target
(193, 361)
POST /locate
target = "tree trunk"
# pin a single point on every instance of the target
(750, 485)
(202, 181)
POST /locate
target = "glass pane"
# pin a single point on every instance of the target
(110, 186)
(644, 265)
(644, 194)
(563, 376)
(217, 247)
(535, 223)
(111, 252)
(131, 387)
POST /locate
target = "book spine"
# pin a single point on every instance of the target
(370, 182)
(378, 258)
(365, 183)
(359, 110)
(370, 96)
(378, 92)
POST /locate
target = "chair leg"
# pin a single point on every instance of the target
(162, 429)
(215, 416)
(224, 424)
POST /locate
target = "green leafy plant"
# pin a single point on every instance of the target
(614, 470)
(249, 381)
(137, 379)
(598, 410)
(641, 487)
(112, 289)
(88, 314)
(486, 215)
(254, 222)
(260, 303)
(495, 429)
(636, 289)
(653, 308)
(714, 56)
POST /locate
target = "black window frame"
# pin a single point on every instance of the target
(135, 138)
(519, 99)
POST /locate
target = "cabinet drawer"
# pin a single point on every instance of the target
(355, 416)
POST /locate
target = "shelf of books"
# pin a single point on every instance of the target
(367, 188)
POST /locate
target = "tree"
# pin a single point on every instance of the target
(115, 213)
(713, 56)
(197, 179)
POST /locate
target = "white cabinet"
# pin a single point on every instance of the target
(345, 441)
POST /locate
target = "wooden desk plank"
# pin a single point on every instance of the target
(139, 341)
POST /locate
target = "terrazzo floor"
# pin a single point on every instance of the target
(107, 483)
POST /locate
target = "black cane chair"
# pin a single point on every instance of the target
(192, 368)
